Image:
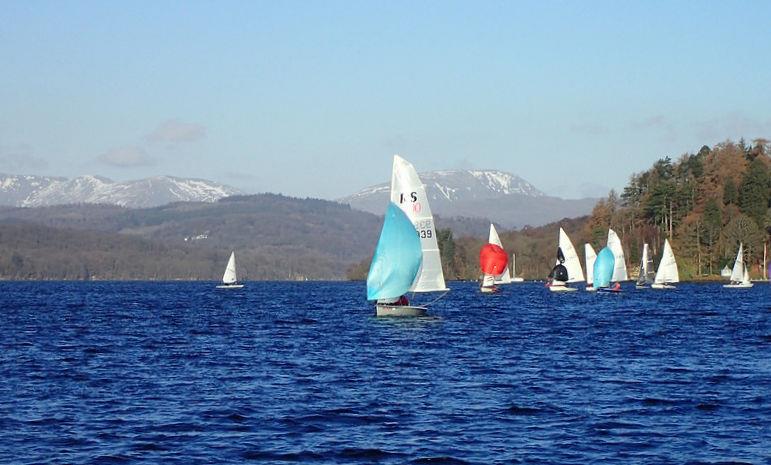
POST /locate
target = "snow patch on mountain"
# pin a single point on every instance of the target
(36, 191)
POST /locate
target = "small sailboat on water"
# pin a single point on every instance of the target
(505, 277)
(602, 271)
(619, 267)
(514, 277)
(568, 267)
(666, 274)
(230, 278)
(645, 278)
(493, 262)
(740, 277)
(590, 256)
(409, 196)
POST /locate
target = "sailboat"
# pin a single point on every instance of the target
(494, 262)
(493, 238)
(603, 270)
(514, 277)
(645, 278)
(619, 270)
(590, 257)
(568, 267)
(740, 277)
(409, 195)
(667, 273)
(230, 279)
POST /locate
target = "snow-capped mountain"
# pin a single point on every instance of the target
(37, 191)
(502, 197)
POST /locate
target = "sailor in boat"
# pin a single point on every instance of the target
(402, 301)
(558, 275)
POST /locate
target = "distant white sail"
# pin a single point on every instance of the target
(408, 193)
(619, 269)
(590, 257)
(230, 271)
(737, 274)
(667, 272)
(493, 238)
(572, 263)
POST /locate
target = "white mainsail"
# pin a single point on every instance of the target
(572, 263)
(590, 256)
(408, 193)
(646, 267)
(619, 269)
(230, 270)
(667, 271)
(493, 238)
(737, 274)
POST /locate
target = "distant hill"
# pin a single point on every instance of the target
(275, 237)
(36, 191)
(502, 197)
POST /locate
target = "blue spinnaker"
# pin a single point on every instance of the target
(603, 268)
(397, 258)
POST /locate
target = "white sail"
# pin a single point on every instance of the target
(505, 278)
(667, 272)
(737, 274)
(488, 281)
(590, 256)
(409, 194)
(572, 263)
(646, 267)
(230, 270)
(619, 269)
(746, 277)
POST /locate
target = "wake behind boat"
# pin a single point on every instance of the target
(230, 278)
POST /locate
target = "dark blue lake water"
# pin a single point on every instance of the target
(303, 372)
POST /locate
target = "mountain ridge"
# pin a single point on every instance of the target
(40, 191)
(504, 198)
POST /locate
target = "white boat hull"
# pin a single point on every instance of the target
(488, 290)
(230, 286)
(399, 310)
(562, 289)
(518, 280)
(662, 286)
(591, 289)
(738, 286)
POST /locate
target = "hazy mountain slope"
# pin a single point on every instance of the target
(502, 197)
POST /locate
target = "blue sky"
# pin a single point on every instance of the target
(313, 98)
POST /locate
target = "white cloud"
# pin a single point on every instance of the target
(174, 131)
(126, 157)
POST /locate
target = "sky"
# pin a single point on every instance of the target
(313, 98)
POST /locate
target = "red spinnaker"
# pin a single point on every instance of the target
(493, 259)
